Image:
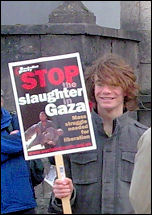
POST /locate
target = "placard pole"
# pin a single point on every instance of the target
(61, 174)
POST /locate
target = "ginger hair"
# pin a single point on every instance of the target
(112, 69)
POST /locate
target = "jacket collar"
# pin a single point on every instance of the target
(117, 122)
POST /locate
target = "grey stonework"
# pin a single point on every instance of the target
(78, 33)
(77, 12)
(89, 43)
(137, 17)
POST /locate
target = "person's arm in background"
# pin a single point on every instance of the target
(140, 189)
(15, 122)
(11, 145)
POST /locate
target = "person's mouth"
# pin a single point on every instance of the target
(107, 98)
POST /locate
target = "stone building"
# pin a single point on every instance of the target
(137, 18)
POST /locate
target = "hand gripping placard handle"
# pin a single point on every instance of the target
(61, 174)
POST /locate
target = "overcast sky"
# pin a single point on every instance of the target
(37, 12)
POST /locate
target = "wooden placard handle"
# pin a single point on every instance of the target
(61, 174)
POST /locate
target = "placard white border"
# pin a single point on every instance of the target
(39, 60)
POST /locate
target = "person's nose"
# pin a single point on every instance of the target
(106, 89)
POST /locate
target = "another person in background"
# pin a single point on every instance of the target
(98, 181)
(17, 193)
(140, 189)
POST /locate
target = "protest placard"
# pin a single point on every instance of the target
(52, 106)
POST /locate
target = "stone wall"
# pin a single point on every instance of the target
(21, 42)
(137, 18)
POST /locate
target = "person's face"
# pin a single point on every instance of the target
(43, 117)
(109, 97)
(60, 132)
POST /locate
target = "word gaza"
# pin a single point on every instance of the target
(52, 109)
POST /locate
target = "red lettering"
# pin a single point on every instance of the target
(30, 82)
(55, 76)
(41, 75)
(59, 76)
(70, 72)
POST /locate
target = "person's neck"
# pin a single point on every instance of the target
(43, 123)
(108, 116)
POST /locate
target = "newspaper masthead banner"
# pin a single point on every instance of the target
(52, 106)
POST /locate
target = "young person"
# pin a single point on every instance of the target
(17, 193)
(98, 181)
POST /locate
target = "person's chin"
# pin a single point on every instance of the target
(107, 107)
